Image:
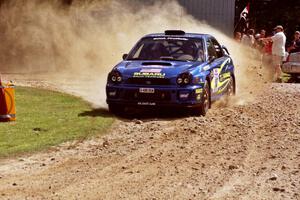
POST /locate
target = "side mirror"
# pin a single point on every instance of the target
(225, 50)
(124, 56)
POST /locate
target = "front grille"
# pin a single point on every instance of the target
(148, 81)
(157, 96)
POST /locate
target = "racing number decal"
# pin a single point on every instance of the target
(215, 81)
(218, 85)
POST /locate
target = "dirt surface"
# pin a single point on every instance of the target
(247, 151)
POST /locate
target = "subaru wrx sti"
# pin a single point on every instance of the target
(172, 69)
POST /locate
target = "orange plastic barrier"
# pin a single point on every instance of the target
(7, 103)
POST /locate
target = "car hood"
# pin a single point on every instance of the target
(155, 68)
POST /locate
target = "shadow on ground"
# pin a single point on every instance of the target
(293, 80)
(155, 113)
(140, 113)
(99, 112)
(287, 78)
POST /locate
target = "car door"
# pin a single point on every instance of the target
(218, 65)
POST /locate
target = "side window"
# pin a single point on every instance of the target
(211, 49)
(200, 51)
(218, 48)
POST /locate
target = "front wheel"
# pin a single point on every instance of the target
(231, 87)
(205, 104)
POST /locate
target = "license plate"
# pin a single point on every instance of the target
(147, 90)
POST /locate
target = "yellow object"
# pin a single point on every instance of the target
(199, 91)
(7, 107)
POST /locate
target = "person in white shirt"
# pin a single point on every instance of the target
(248, 39)
(278, 50)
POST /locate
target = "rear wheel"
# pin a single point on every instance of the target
(205, 105)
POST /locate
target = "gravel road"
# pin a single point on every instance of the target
(238, 151)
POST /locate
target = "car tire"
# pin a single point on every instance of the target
(206, 101)
(231, 87)
(116, 109)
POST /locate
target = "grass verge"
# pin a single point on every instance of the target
(46, 118)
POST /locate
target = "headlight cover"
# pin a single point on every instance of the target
(184, 79)
(115, 77)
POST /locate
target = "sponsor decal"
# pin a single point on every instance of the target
(223, 87)
(199, 91)
(149, 75)
(215, 79)
(225, 76)
(112, 93)
(205, 68)
(224, 64)
(216, 72)
(146, 103)
(151, 70)
(184, 95)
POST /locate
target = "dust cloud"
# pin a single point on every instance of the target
(75, 46)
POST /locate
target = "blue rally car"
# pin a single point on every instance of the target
(174, 69)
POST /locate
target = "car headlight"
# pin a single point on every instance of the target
(119, 79)
(179, 80)
(115, 77)
(184, 79)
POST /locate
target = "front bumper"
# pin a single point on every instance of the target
(189, 96)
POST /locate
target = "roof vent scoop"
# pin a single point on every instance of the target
(174, 32)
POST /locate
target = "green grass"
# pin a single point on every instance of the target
(47, 118)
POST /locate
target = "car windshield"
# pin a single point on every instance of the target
(168, 48)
